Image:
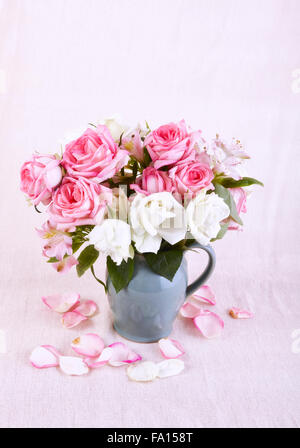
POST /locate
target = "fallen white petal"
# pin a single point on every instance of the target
(170, 367)
(144, 371)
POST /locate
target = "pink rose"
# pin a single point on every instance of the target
(191, 177)
(94, 155)
(39, 177)
(77, 202)
(240, 200)
(171, 143)
(152, 181)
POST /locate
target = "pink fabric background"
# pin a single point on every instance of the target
(225, 66)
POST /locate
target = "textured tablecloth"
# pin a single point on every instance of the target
(225, 66)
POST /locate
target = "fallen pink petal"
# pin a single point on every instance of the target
(72, 365)
(88, 345)
(61, 303)
(170, 348)
(44, 356)
(102, 360)
(209, 324)
(238, 313)
(121, 355)
(190, 310)
(72, 318)
(205, 294)
(87, 308)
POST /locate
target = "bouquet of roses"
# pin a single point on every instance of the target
(123, 192)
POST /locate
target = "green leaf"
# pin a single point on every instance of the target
(222, 231)
(79, 236)
(229, 182)
(228, 199)
(52, 260)
(86, 259)
(120, 275)
(147, 159)
(165, 263)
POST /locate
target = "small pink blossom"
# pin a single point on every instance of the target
(77, 202)
(39, 176)
(171, 144)
(227, 158)
(57, 244)
(191, 177)
(94, 155)
(152, 181)
(132, 142)
(65, 265)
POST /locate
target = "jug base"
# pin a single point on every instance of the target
(137, 338)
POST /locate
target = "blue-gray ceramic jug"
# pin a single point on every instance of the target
(146, 309)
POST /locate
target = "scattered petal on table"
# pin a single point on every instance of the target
(238, 313)
(87, 308)
(121, 355)
(190, 310)
(205, 294)
(43, 357)
(89, 345)
(209, 324)
(72, 318)
(61, 303)
(72, 365)
(170, 348)
(101, 360)
(170, 367)
(144, 371)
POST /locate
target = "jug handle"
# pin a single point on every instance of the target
(208, 270)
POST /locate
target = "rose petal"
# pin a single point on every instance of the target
(72, 318)
(101, 360)
(87, 308)
(72, 365)
(44, 356)
(209, 324)
(238, 313)
(190, 310)
(170, 367)
(170, 348)
(205, 294)
(89, 345)
(144, 371)
(121, 355)
(61, 303)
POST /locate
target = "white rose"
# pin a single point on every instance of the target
(113, 238)
(204, 214)
(156, 217)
